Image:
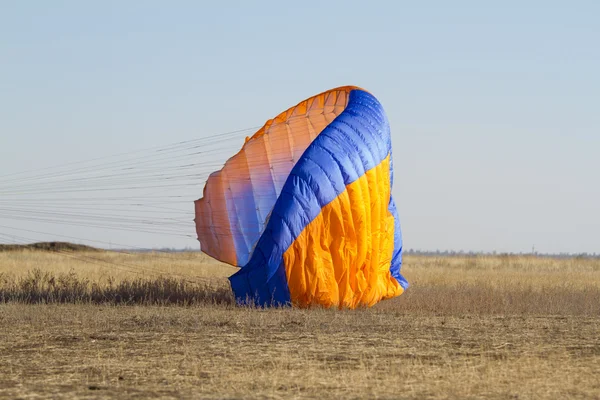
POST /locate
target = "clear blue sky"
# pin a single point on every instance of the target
(494, 106)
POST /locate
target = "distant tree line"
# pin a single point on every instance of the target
(451, 253)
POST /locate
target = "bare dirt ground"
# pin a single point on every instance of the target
(467, 328)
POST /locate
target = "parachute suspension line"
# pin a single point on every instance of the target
(125, 174)
(124, 192)
(149, 191)
(154, 148)
(130, 164)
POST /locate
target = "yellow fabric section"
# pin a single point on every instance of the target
(342, 258)
(264, 162)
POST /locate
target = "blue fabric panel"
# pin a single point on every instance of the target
(234, 221)
(396, 263)
(246, 229)
(355, 142)
(265, 197)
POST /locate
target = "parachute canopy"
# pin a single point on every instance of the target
(305, 207)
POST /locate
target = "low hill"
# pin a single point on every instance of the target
(48, 246)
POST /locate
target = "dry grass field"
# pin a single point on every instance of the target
(468, 327)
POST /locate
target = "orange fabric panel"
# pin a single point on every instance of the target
(330, 102)
(281, 145)
(342, 258)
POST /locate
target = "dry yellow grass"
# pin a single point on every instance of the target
(214, 352)
(501, 285)
(493, 327)
(505, 271)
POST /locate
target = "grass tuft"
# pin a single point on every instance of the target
(45, 287)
